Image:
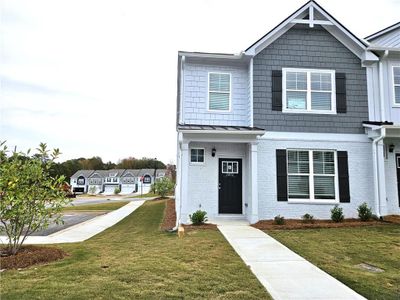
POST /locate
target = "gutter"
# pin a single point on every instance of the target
(179, 211)
(375, 163)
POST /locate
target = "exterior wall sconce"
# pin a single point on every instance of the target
(213, 151)
(391, 148)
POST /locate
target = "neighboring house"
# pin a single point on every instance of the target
(277, 129)
(112, 181)
(129, 181)
(79, 181)
(384, 117)
(96, 181)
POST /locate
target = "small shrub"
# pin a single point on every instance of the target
(199, 217)
(307, 218)
(364, 212)
(163, 186)
(279, 220)
(117, 190)
(337, 214)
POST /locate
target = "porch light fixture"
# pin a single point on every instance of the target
(391, 148)
(213, 151)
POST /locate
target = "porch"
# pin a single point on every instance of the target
(217, 173)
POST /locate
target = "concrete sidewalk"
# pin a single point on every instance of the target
(285, 274)
(85, 230)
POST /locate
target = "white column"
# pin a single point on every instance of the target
(184, 180)
(381, 176)
(254, 183)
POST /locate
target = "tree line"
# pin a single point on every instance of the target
(69, 167)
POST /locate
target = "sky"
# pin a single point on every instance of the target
(98, 78)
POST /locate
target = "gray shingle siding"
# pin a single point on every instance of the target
(303, 47)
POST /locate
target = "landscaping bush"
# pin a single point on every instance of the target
(337, 214)
(117, 190)
(307, 218)
(30, 198)
(364, 212)
(199, 217)
(163, 186)
(279, 220)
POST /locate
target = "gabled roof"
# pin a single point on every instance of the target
(313, 14)
(387, 38)
(114, 172)
(130, 172)
(84, 173)
(146, 171)
(98, 174)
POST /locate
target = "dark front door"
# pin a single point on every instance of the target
(230, 186)
(398, 174)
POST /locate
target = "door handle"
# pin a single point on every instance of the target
(219, 185)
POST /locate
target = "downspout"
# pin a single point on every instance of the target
(381, 88)
(376, 170)
(179, 143)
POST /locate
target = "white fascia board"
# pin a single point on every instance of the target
(345, 37)
(314, 137)
(276, 33)
(212, 55)
(376, 48)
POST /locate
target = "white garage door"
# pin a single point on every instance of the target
(127, 188)
(109, 189)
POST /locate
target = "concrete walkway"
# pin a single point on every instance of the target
(85, 230)
(282, 272)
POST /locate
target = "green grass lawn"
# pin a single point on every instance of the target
(142, 262)
(107, 206)
(338, 250)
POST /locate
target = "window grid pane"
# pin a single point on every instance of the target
(309, 91)
(197, 155)
(320, 179)
(219, 91)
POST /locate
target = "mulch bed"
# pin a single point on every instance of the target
(29, 256)
(169, 221)
(169, 215)
(392, 219)
(298, 224)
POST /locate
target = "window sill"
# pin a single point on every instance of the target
(294, 111)
(305, 201)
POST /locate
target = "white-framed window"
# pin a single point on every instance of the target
(197, 155)
(219, 92)
(396, 85)
(308, 91)
(312, 175)
(230, 167)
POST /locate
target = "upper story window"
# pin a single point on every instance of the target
(219, 91)
(197, 155)
(396, 85)
(308, 91)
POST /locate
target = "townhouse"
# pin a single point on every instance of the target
(108, 181)
(283, 128)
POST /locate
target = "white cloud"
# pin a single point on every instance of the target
(99, 77)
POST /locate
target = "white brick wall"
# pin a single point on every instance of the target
(360, 176)
(391, 180)
(203, 179)
(195, 96)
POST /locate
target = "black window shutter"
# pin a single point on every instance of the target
(281, 175)
(344, 187)
(341, 106)
(277, 90)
